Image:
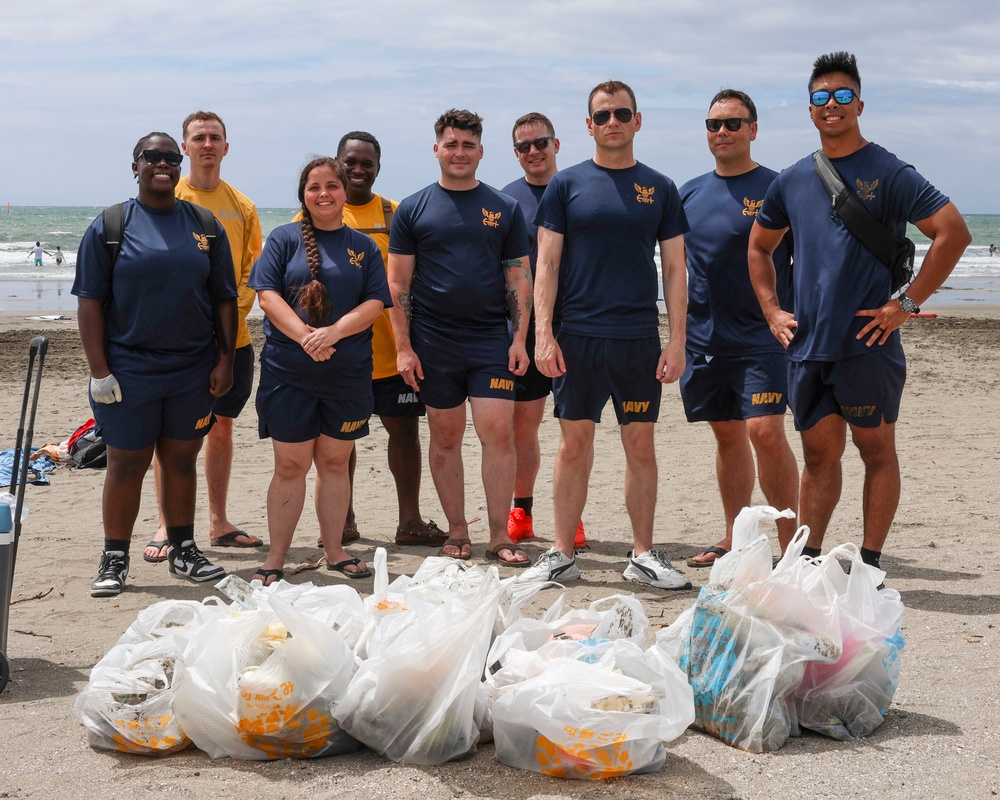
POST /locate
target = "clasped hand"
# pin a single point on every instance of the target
(318, 343)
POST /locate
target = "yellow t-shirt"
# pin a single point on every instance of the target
(372, 215)
(238, 216)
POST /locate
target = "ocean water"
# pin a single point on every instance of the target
(23, 286)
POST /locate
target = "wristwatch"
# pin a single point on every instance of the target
(908, 305)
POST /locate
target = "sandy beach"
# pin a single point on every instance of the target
(940, 738)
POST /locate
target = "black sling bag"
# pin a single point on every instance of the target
(875, 237)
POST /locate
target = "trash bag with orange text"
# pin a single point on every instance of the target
(264, 685)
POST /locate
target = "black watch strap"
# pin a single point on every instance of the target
(908, 305)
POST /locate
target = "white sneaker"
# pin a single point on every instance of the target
(111, 574)
(653, 567)
(551, 567)
(190, 563)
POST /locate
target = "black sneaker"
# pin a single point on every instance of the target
(190, 563)
(111, 574)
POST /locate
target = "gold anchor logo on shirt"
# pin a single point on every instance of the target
(201, 239)
(356, 258)
(751, 207)
(645, 195)
(491, 219)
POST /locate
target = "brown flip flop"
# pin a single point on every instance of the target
(461, 544)
(493, 554)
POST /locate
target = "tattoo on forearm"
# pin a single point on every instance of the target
(511, 263)
(405, 303)
(514, 310)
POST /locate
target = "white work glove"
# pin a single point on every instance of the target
(105, 390)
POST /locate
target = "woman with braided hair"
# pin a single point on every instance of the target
(321, 286)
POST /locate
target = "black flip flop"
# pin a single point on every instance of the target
(266, 574)
(714, 550)
(229, 540)
(349, 562)
(159, 546)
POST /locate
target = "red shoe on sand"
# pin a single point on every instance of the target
(519, 526)
(580, 539)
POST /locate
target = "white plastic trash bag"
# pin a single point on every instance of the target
(127, 704)
(747, 640)
(263, 685)
(584, 720)
(610, 618)
(848, 698)
(413, 700)
(177, 618)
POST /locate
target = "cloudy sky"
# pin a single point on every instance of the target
(81, 82)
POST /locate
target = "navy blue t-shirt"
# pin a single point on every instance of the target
(164, 282)
(612, 220)
(835, 276)
(352, 270)
(460, 240)
(724, 317)
(528, 196)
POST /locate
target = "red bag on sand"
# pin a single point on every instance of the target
(79, 432)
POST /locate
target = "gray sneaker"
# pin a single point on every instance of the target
(653, 567)
(190, 563)
(551, 567)
(111, 574)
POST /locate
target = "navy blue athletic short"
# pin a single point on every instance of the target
(458, 365)
(289, 414)
(233, 401)
(532, 385)
(159, 398)
(723, 388)
(863, 389)
(623, 370)
(394, 398)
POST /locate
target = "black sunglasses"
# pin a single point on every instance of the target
(156, 156)
(603, 117)
(821, 97)
(732, 124)
(541, 143)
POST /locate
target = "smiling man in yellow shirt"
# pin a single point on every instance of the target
(205, 144)
(398, 407)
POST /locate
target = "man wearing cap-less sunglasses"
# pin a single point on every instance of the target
(598, 226)
(535, 147)
(736, 374)
(841, 96)
(846, 365)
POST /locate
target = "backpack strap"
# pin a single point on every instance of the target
(207, 219)
(114, 228)
(387, 213)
